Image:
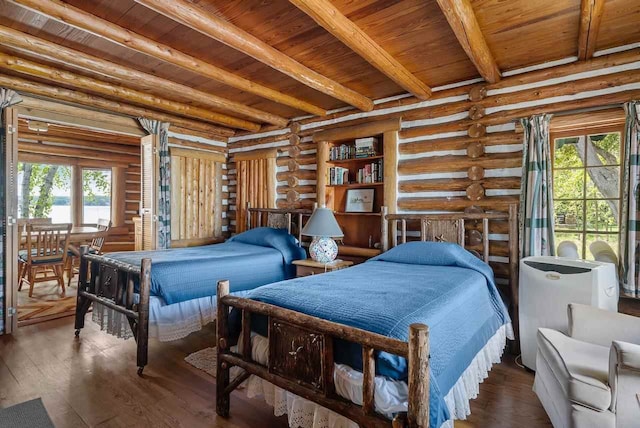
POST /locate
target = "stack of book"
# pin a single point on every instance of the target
(371, 173)
(337, 176)
(342, 152)
(366, 147)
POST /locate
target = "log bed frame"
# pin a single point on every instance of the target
(111, 283)
(300, 356)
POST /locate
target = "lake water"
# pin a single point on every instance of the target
(62, 214)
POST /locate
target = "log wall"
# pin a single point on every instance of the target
(188, 139)
(196, 191)
(459, 149)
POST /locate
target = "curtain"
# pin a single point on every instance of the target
(164, 179)
(8, 98)
(629, 222)
(536, 192)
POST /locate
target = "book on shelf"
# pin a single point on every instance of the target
(371, 173)
(337, 176)
(366, 147)
(362, 148)
(342, 152)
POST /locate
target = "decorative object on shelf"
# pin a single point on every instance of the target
(323, 227)
(359, 201)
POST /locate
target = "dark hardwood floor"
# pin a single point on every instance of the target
(93, 382)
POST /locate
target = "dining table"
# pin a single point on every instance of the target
(79, 235)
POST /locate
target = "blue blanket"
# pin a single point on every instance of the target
(257, 257)
(438, 284)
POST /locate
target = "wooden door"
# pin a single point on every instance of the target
(149, 191)
(11, 215)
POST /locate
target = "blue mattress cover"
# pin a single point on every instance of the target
(438, 284)
(248, 260)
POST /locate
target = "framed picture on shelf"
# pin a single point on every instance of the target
(359, 201)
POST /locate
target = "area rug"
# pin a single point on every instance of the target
(30, 414)
(206, 360)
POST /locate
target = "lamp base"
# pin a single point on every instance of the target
(323, 249)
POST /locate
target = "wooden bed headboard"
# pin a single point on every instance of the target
(293, 220)
(469, 230)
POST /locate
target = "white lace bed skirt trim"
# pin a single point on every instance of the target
(390, 396)
(166, 322)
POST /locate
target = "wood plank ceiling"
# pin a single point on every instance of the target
(241, 65)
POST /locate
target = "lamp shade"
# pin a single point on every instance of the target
(322, 223)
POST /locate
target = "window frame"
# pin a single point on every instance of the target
(77, 193)
(585, 132)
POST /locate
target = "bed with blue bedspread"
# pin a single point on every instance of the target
(183, 280)
(248, 260)
(441, 285)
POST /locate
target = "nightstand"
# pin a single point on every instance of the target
(311, 267)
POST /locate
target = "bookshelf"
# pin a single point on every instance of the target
(377, 170)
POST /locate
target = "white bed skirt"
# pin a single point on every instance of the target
(166, 322)
(390, 395)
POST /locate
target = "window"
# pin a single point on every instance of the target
(586, 189)
(96, 195)
(44, 191)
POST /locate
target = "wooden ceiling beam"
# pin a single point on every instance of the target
(76, 152)
(25, 134)
(44, 49)
(325, 14)
(70, 15)
(25, 156)
(66, 131)
(219, 29)
(54, 75)
(79, 118)
(464, 24)
(590, 16)
(73, 96)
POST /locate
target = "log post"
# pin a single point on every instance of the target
(248, 217)
(368, 382)
(222, 369)
(82, 303)
(142, 325)
(322, 156)
(384, 229)
(418, 408)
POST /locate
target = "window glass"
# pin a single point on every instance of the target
(566, 152)
(96, 195)
(586, 186)
(44, 191)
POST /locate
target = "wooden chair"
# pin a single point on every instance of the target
(22, 224)
(46, 247)
(103, 225)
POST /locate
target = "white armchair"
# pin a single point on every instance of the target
(590, 378)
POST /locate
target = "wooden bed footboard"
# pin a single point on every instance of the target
(301, 361)
(111, 283)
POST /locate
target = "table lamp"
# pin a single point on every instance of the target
(322, 226)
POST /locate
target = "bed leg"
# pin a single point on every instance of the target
(222, 369)
(82, 303)
(418, 411)
(142, 335)
(400, 420)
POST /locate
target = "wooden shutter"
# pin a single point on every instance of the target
(149, 191)
(256, 176)
(11, 215)
(196, 196)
